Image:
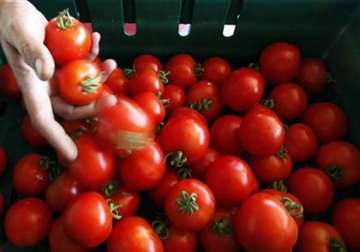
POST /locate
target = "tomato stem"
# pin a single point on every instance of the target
(337, 246)
(254, 66)
(51, 166)
(129, 72)
(222, 227)
(199, 70)
(165, 102)
(176, 159)
(91, 85)
(279, 186)
(184, 172)
(114, 209)
(202, 106)
(269, 103)
(335, 172)
(161, 228)
(282, 153)
(295, 210)
(187, 203)
(163, 75)
(110, 189)
(64, 20)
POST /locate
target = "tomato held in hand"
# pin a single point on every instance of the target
(127, 202)
(27, 222)
(199, 168)
(312, 76)
(9, 86)
(3, 160)
(263, 224)
(152, 105)
(118, 82)
(159, 192)
(243, 89)
(67, 39)
(190, 205)
(182, 69)
(215, 69)
(31, 135)
(146, 81)
(175, 97)
(147, 61)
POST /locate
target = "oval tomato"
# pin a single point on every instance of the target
(3, 160)
(147, 61)
(182, 69)
(118, 82)
(215, 69)
(152, 105)
(127, 202)
(146, 81)
(9, 86)
(159, 192)
(31, 135)
(199, 168)
(312, 76)
(175, 97)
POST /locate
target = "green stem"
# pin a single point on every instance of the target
(203, 105)
(337, 246)
(110, 189)
(64, 20)
(176, 159)
(269, 103)
(282, 153)
(279, 186)
(335, 172)
(161, 228)
(52, 167)
(199, 70)
(91, 84)
(187, 203)
(163, 75)
(114, 209)
(294, 209)
(222, 227)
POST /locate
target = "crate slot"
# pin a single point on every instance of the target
(232, 18)
(187, 8)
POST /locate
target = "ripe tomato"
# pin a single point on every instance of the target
(243, 89)
(147, 61)
(3, 160)
(312, 76)
(182, 68)
(327, 120)
(61, 191)
(204, 97)
(175, 95)
(300, 142)
(133, 234)
(118, 82)
(190, 205)
(30, 175)
(152, 105)
(320, 237)
(88, 219)
(263, 224)
(79, 82)
(199, 168)
(346, 218)
(126, 201)
(31, 135)
(146, 81)
(231, 180)
(215, 69)
(159, 192)
(185, 111)
(290, 101)
(219, 234)
(75, 128)
(67, 39)
(313, 188)
(1, 203)
(9, 86)
(261, 132)
(27, 222)
(280, 62)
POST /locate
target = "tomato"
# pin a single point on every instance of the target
(182, 68)
(219, 234)
(3, 160)
(2, 203)
(159, 192)
(346, 218)
(261, 132)
(280, 62)
(147, 61)
(300, 142)
(312, 76)
(215, 69)
(243, 89)
(31, 135)
(146, 81)
(320, 237)
(125, 126)
(290, 101)
(175, 96)
(152, 105)
(9, 86)
(199, 168)
(263, 224)
(185, 111)
(118, 82)
(126, 201)
(223, 134)
(327, 120)
(88, 219)
(231, 180)
(190, 205)
(27, 222)
(67, 39)
(60, 242)
(133, 234)
(61, 191)
(75, 128)
(313, 188)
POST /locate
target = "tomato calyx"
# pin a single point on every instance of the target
(203, 105)
(337, 246)
(176, 159)
(184, 173)
(129, 72)
(163, 76)
(161, 228)
(52, 167)
(64, 20)
(279, 186)
(222, 227)
(199, 70)
(282, 153)
(187, 203)
(110, 189)
(335, 172)
(269, 103)
(165, 102)
(114, 209)
(91, 84)
(294, 209)
(254, 65)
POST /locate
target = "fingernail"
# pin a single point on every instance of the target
(38, 67)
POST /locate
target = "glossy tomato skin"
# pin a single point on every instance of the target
(280, 62)
(3, 160)
(9, 86)
(146, 81)
(27, 222)
(327, 120)
(243, 89)
(346, 218)
(66, 45)
(31, 135)
(175, 95)
(215, 69)
(159, 192)
(231, 180)
(147, 61)
(133, 234)
(127, 200)
(180, 241)
(312, 76)
(341, 161)
(199, 168)
(183, 217)
(261, 132)
(152, 105)
(300, 142)
(188, 112)
(88, 219)
(262, 224)
(182, 70)
(313, 188)
(118, 82)
(290, 101)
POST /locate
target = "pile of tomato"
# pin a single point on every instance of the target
(231, 159)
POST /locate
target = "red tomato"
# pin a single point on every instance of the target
(219, 234)
(300, 142)
(133, 234)
(159, 192)
(182, 68)
(67, 39)
(243, 89)
(312, 76)
(61, 191)
(185, 111)
(320, 237)
(263, 224)
(3, 160)
(30, 175)
(75, 128)
(118, 82)
(313, 188)
(147, 61)
(290, 101)
(146, 81)
(190, 205)
(346, 218)
(152, 105)
(79, 82)
(205, 97)
(223, 134)
(88, 219)
(231, 180)
(280, 62)
(27, 222)
(176, 240)
(1, 203)
(199, 168)
(215, 69)
(327, 120)
(31, 135)
(261, 132)
(126, 201)
(175, 96)
(9, 86)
